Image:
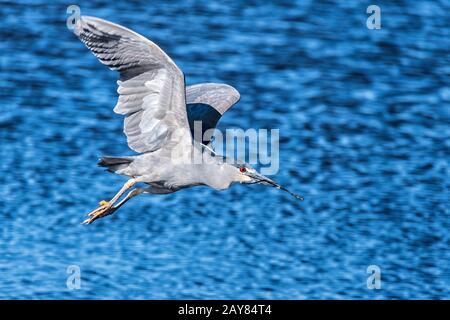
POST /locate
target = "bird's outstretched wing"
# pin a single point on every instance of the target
(151, 87)
(207, 102)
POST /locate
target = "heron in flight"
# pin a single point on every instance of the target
(159, 114)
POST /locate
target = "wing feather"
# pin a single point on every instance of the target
(220, 96)
(207, 102)
(151, 87)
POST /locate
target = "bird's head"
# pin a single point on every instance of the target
(248, 175)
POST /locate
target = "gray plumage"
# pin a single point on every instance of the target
(151, 86)
(207, 102)
(159, 115)
(219, 96)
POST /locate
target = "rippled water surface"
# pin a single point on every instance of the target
(364, 119)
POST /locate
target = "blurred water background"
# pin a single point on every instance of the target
(364, 119)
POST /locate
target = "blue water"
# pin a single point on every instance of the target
(364, 119)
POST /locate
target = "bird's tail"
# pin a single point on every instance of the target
(115, 163)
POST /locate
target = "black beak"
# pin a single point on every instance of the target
(259, 178)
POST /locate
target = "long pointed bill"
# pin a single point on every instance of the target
(259, 178)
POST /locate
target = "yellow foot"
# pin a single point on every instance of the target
(100, 212)
(103, 203)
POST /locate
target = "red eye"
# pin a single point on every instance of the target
(242, 169)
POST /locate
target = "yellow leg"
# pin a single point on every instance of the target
(131, 194)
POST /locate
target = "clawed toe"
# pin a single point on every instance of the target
(102, 211)
(97, 211)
